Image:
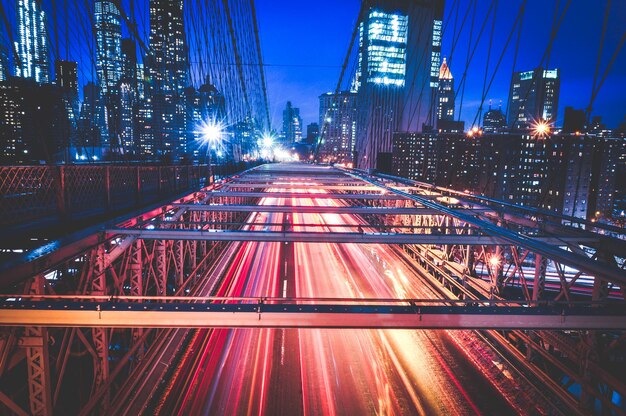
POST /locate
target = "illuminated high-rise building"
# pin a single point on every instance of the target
(534, 96)
(292, 124)
(168, 65)
(168, 70)
(66, 75)
(338, 132)
(4, 63)
(398, 42)
(445, 94)
(494, 120)
(32, 47)
(109, 59)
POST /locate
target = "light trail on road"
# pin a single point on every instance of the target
(331, 371)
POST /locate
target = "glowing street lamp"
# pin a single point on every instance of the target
(474, 131)
(541, 129)
(212, 132)
(267, 140)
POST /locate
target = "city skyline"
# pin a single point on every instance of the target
(293, 76)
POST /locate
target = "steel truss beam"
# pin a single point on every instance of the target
(380, 316)
(302, 195)
(298, 209)
(593, 267)
(324, 237)
(348, 188)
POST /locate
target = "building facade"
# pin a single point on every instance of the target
(109, 59)
(169, 75)
(533, 96)
(32, 45)
(338, 120)
(292, 125)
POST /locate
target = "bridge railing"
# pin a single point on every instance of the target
(50, 193)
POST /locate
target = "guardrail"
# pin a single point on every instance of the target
(48, 194)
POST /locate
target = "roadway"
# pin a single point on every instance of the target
(327, 371)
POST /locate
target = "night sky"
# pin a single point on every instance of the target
(304, 44)
(314, 36)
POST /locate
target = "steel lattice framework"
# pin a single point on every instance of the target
(170, 259)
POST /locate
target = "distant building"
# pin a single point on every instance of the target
(4, 63)
(380, 78)
(32, 46)
(570, 174)
(292, 124)
(445, 94)
(129, 62)
(169, 75)
(108, 30)
(168, 66)
(445, 102)
(413, 156)
(312, 133)
(574, 120)
(33, 122)
(66, 74)
(338, 121)
(534, 95)
(399, 56)
(88, 141)
(494, 120)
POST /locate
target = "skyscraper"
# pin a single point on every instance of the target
(534, 96)
(168, 70)
(338, 121)
(445, 94)
(4, 63)
(399, 42)
(312, 133)
(494, 120)
(292, 124)
(32, 48)
(66, 74)
(168, 65)
(108, 31)
(381, 75)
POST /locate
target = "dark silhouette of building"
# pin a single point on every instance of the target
(33, 122)
(574, 120)
(312, 133)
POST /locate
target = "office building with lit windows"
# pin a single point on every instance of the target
(292, 125)
(32, 45)
(534, 96)
(399, 42)
(109, 59)
(66, 78)
(169, 75)
(445, 102)
(338, 131)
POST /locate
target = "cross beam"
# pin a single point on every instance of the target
(324, 237)
(313, 185)
(303, 195)
(303, 209)
(196, 315)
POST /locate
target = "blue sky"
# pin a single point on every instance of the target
(316, 34)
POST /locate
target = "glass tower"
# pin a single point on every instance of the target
(109, 59)
(32, 48)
